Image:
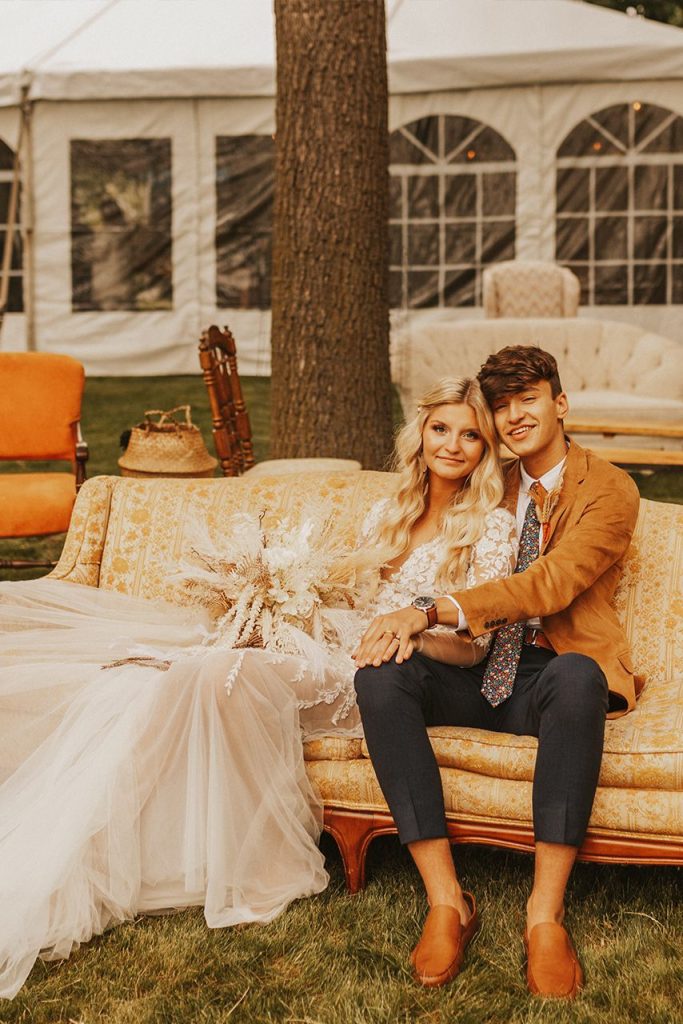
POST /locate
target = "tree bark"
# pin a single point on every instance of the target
(331, 387)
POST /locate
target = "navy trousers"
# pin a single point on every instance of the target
(561, 699)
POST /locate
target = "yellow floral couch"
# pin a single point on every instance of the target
(128, 535)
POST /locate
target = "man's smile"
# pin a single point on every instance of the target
(520, 431)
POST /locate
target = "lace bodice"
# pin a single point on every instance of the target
(493, 557)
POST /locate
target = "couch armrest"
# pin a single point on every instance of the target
(82, 551)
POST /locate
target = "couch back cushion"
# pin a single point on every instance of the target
(152, 523)
(649, 597)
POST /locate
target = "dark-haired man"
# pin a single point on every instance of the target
(559, 662)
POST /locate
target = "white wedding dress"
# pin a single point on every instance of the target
(141, 787)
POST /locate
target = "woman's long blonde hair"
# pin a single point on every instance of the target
(463, 521)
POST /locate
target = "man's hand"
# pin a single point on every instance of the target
(390, 635)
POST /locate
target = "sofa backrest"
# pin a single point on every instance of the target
(130, 535)
(152, 523)
(591, 354)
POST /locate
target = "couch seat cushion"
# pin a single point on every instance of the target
(353, 786)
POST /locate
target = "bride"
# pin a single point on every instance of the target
(132, 785)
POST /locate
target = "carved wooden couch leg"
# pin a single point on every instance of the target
(353, 832)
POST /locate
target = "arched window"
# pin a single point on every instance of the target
(619, 195)
(15, 297)
(453, 196)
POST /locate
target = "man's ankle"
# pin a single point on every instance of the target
(541, 911)
(452, 898)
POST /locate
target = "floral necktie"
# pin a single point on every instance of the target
(506, 650)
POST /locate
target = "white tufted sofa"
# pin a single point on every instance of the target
(611, 371)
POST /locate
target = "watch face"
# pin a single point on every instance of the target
(424, 602)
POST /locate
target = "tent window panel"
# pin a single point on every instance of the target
(453, 198)
(651, 187)
(245, 167)
(642, 179)
(423, 244)
(403, 150)
(611, 285)
(243, 271)
(395, 245)
(669, 140)
(461, 243)
(458, 133)
(677, 285)
(459, 288)
(615, 121)
(678, 187)
(396, 298)
(5, 189)
(572, 239)
(498, 241)
(610, 238)
(6, 157)
(395, 198)
(678, 238)
(415, 143)
(649, 284)
(16, 260)
(423, 289)
(15, 292)
(587, 140)
(423, 197)
(572, 186)
(647, 119)
(486, 147)
(499, 194)
(649, 238)
(121, 240)
(460, 195)
(611, 188)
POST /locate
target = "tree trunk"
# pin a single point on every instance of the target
(331, 388)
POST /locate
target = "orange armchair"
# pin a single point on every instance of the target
(40, 409)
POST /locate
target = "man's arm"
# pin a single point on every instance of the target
(592, 546)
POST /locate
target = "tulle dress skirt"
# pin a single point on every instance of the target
(138, 786)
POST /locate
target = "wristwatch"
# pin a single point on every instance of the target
(428, 606)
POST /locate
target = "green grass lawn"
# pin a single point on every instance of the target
(340, 959)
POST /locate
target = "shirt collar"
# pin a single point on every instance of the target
(549, 480)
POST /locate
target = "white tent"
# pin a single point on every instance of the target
(178, 90)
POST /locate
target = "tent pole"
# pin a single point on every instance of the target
(27, 226)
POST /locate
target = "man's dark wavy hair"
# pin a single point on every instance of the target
(515, 368)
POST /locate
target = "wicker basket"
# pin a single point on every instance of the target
(166, 448)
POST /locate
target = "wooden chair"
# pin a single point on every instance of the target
(230, 420)
(231, 427)
(40, 409)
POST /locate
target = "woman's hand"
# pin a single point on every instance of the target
(389, 635)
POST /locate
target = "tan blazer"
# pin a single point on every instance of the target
(571, 585)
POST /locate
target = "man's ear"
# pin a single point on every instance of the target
(562, 405)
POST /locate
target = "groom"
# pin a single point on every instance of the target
(559, 662)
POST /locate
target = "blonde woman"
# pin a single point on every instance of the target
(180, 781)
